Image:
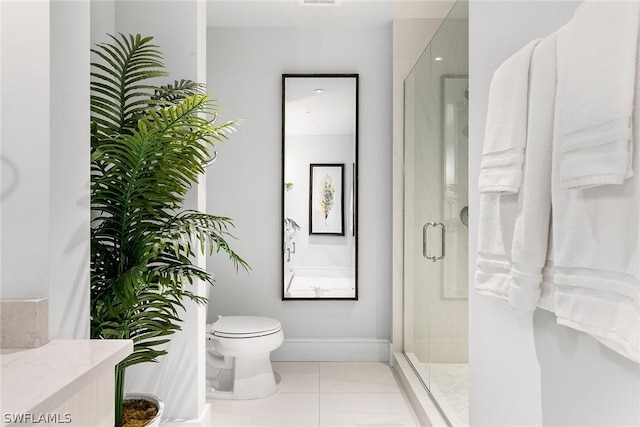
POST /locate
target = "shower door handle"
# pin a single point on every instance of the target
(425, 240)
(442, 240)
(425, 231)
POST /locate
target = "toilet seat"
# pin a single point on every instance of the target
(245, 327)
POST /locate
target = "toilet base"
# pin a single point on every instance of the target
(252, 377)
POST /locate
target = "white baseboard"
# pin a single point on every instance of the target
(332, 350)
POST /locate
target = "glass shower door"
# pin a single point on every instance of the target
(418, 129)
(447, 244)
(435, 228)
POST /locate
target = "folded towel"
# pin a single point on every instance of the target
(497, 219)
(505, 134)
(530, 239)
(597, 71)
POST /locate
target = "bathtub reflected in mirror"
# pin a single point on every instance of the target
(319, 186)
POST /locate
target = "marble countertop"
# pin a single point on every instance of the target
(38, 380)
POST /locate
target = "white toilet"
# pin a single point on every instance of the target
(238, 357)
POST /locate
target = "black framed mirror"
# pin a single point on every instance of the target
(319, 186)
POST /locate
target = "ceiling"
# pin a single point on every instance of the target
(348, 13)
(332, 112)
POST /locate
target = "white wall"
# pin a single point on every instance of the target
(244, 74)
(102, 21)
(45, 159)
(69, 197)
(527, 371)
(2, 189)
(25, 149)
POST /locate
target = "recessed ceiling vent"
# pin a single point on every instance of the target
(320, 2)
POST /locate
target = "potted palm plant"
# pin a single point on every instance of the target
(148, 144)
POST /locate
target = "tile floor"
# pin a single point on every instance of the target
(323, 394)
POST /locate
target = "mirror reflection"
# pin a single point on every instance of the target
(320, 146)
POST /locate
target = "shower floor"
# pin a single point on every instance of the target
(451, 382)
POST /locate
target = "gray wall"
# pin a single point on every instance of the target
(244, 75)
(523, 370)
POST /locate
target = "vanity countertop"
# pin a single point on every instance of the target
(38, 380)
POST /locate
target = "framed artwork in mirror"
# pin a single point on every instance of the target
(326, 199)
(319, 186)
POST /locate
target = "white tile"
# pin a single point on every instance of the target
(350, 377)
(366, 409)
(281, 409)
(351, 394)
(298, 377)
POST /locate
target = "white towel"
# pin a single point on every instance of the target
(530, 239)
(596, 252)
(497, 219)
(597, 69)
(505, 133)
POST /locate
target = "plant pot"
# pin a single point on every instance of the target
(155, 421)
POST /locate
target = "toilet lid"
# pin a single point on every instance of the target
(245, 326)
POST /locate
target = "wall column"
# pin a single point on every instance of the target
(179, 29)
(25, 148)
(25, 164)
(69, 233)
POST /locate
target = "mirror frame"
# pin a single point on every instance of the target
(356, 198)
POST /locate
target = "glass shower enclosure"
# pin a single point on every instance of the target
(435, 216)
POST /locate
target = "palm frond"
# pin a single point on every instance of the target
(207, 230)
(118, 89)
(148, 145)
(177, 91)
